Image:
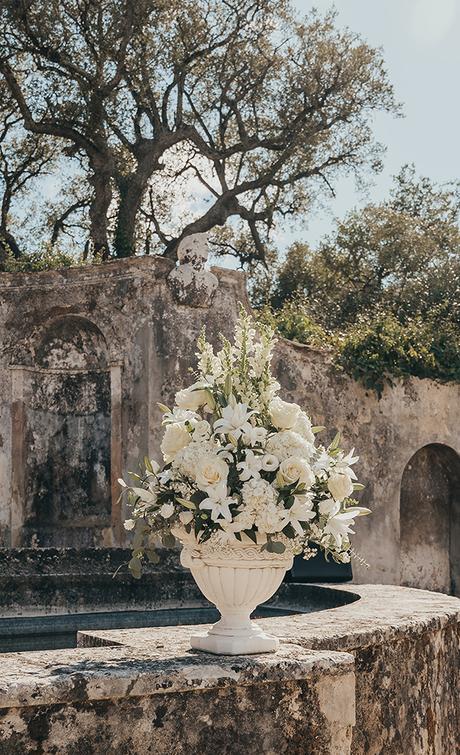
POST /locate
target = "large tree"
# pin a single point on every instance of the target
(239, 105)
(23, 158)
(401, 255)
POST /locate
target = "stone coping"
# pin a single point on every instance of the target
(102, 673)
(383, 613)
(135, 662)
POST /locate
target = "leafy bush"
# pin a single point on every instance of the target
(379, 349)
(45, 259)
(293, 321)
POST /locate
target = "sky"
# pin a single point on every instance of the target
(420, 40)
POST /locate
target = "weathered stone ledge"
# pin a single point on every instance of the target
(102, 673)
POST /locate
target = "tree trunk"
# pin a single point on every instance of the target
(131, 191)
(101, 180)
(8, 244)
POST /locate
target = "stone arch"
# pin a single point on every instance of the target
(63, 470)
(430, 520)
(73, 342)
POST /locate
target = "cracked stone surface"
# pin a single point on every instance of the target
(375, 677)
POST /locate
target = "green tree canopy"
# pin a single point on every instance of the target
(401, 256)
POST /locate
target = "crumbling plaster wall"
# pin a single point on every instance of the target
(151, 343)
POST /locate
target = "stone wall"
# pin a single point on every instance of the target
(378, 676)
(87, 353)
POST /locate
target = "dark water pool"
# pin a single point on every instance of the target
(22, 633)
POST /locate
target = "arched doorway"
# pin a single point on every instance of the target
(430, 520)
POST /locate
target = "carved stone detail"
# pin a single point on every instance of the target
(190, 282)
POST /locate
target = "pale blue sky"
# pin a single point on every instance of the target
(421, 46)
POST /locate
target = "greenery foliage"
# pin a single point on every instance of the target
(383, 291)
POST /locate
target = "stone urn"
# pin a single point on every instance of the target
(236, 578)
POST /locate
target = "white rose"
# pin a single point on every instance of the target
(293, 470)
(201, 431)
(175, 438)
(129, 524)
(283, 414)
(340, 486)
(167, 510)
(191, 398)
(211, 472)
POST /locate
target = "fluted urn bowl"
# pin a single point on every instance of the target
(236, 578)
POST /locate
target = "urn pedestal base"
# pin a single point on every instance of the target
(232, 641)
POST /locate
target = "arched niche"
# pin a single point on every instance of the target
(63, 466)
(430, 520)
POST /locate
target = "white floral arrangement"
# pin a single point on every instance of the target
(241, 464)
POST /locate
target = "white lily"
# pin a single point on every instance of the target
(234, 420)
(251, 466)
(300, 511)
(217, 505)
(254, 435)
(179, 416)
(344, 464)
(339, 525)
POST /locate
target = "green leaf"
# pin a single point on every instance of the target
(335, 443)
(275, 547)
(317, 429)
(135, 567)
(358, 486)
(168, 540)
(165, 409)
(228, 385)
(152, 555)
(188, 504)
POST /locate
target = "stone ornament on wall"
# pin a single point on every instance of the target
(190, 282)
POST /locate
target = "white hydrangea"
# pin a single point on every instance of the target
(303, 427)
(186, 460)
(270, 519)
(257, 494)
(289, 443)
